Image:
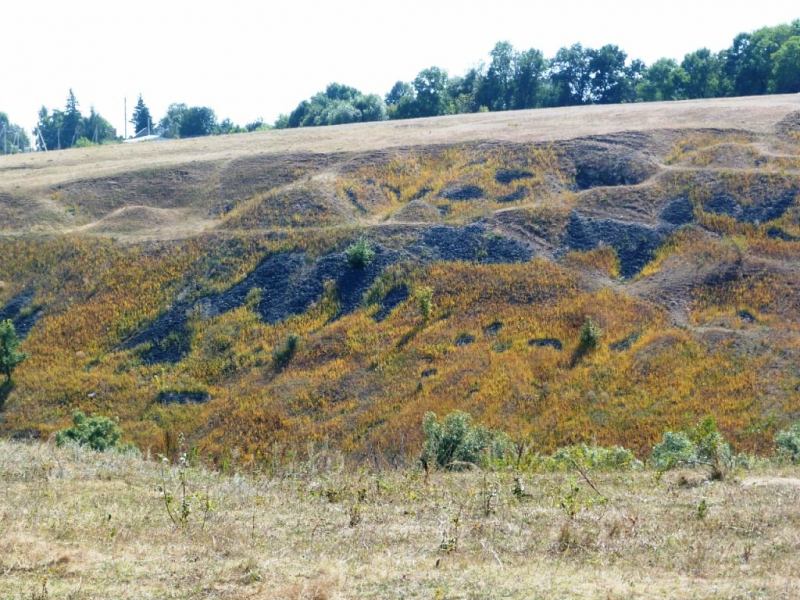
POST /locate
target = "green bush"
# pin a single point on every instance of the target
(99, 433)
(702, 446)
(589, 337)
(360, 254)
(615, 458)
(787, 443)
(10, 355)
(283, 355)
(454, 442)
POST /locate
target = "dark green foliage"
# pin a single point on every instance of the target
(454, 442)
(702, 446)
(282, 356)
(98, 433)
(590, 336)
(337, 105)
(787, 443)
(13, 138)
(360, 254)
(10, 355)
(765, 61)
(197, 121)
(63, 129)
(141, 119)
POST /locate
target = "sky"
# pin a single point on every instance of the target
(250, 59)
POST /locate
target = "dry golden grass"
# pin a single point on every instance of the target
(77, 524)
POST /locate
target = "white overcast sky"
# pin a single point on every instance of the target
(249, 59)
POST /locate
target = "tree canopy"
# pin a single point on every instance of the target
(761, 62)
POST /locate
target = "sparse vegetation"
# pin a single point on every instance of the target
(272, 531)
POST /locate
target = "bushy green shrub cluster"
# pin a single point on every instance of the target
(593, 457)
(702, 446)
(98, 433)
(787, 444)
(455, 442)
(360, 254)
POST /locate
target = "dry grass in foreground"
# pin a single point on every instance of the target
(79, 524)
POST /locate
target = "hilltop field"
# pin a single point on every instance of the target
(204, 289)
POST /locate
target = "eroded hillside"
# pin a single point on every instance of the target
(159, 283)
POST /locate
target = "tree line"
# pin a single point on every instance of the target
(58, 129)
(766, 61)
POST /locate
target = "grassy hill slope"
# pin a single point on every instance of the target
(159, 282)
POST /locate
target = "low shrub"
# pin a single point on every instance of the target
(455, 442)
(360, 254)
(283, 355)
(615, 458)
(787, 443)
(98, 433)
(702, 446)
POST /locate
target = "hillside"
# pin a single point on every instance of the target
(157, 282)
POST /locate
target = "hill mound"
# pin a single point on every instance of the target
(163, 283)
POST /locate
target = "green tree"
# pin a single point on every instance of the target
(13, 138)
(99, 433)
(570, 76)
(198, 121)
(170, 124)
(10, 354)
(72, 123)
(702, 69)
(97, 129)
(529, 71)
(141, 119)
(663, 80)
(430, 86)
(497, 90)
(786, 69)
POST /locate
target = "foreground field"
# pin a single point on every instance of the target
(78, 524)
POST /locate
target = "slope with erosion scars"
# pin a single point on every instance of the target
(520, 234)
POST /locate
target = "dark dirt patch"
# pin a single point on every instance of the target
(789, 126)
(392, 300)
(464, 339)
(245, 177)
(679, 211)
(774, 207)
(493, 328)
(635, 244)
(462, 194)
(625, 343)
(506, 176)
(429, 373)
(473, 243)
(776, 233)
(171, 397)
(168, 337)
(515, 196)
(610, 160)
(546, 343)
(746, 316)
(19, 310)
(421, 193)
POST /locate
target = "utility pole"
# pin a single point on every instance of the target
(126, 117)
